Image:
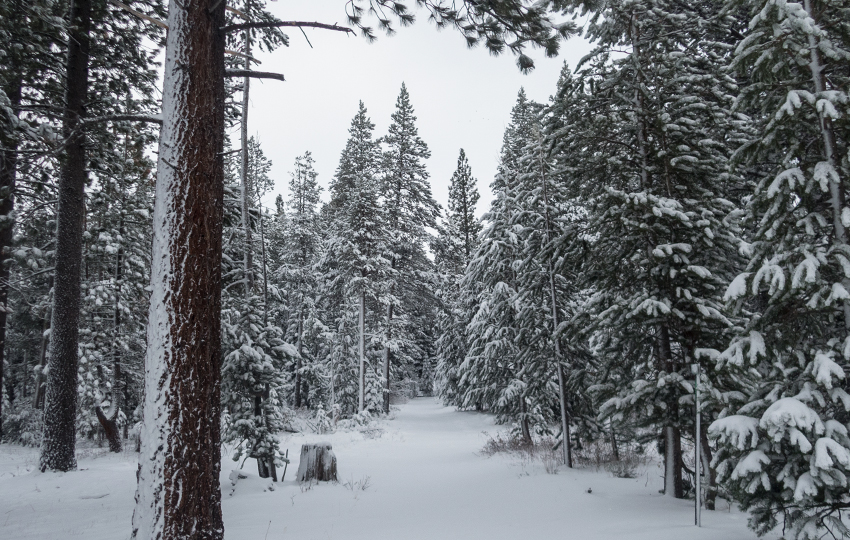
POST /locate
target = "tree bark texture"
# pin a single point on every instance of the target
(178, 494)
(60, 409)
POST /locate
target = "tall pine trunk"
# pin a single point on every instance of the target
(299, 363)
(8, 176)
(243, 129)
(60, 410)
(387, 359)
(178, 494)
(836, 186)
(562, 390)
(109, 420)
(361, 404)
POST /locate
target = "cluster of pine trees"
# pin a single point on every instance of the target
(678, 208)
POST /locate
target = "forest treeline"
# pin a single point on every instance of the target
(676, 210)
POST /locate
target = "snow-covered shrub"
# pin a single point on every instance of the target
(323, 422)
(22, 425)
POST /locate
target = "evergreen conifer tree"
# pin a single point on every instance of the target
(785, 452)
(409, 208)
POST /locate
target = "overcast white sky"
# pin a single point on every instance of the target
(462, 97)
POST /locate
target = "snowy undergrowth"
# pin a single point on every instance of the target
(425, 477)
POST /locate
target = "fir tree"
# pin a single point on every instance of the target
(409, 208)
(785, 453)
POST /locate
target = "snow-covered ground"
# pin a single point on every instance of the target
(424, 478)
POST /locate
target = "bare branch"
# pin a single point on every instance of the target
(121, 118)
(237, 12)
(281, 24)
(253, 74)
(139, 14)
(243, 55)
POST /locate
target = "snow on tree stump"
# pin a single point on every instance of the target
(318, 462)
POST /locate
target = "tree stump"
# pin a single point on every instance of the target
(318, 462)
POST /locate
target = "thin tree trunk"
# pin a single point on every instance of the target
(299, 364)
(246, 218)
(8, 174)
(362, 346)
(38, 395)
(179, 494)
(614, 446)
(108, 420)
(60, 411)
(265, 275)
(562, 398)
(836, 188)
(705, 455)
(387, 355)
(523, 423)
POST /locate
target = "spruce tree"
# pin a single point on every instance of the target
(301, 254)
(409, 208)
(453, 250)
(355, 248)
(785, 453)
(649, 154)
(493, 376)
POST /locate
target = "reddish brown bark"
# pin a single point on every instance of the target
(179, 494)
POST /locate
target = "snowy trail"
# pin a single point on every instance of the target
(426, 481)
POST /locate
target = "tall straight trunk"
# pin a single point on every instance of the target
(179, 494)
(8, 177)
(387, 353)
(361, 404)
(836, 188)
(109, 420)
(299, 364)
(562, 391)
(246, 218)
(60, 410)
(387, 359)
(265, 275)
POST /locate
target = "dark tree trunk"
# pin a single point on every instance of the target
(179, 494)
(60, 410)
(673, 463)
(110, 427)
(615, 448)
(705, 454)
(8, 172)
(673, 485)
(524, 425)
